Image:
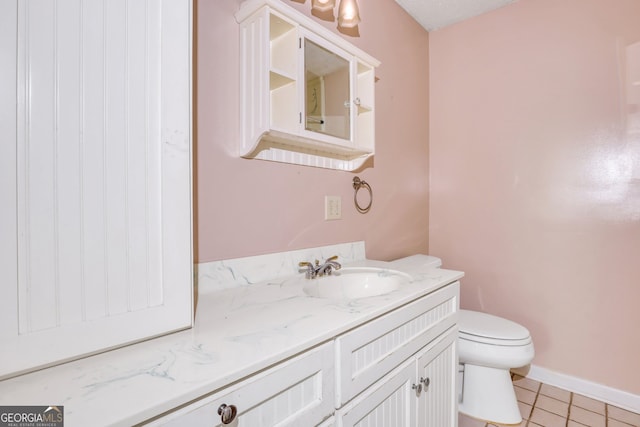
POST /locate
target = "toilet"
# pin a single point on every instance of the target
(488, 348)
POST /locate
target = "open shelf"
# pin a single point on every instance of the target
(277, 80)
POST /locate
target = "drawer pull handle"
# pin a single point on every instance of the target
(227, 413)
(417, 388)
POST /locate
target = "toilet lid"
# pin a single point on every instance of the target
(474, 325)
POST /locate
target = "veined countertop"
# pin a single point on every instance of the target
(238, 331)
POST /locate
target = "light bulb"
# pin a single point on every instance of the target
(348, 14)
(323, 5)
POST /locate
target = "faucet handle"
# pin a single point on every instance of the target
(311, 270)
(332, 261)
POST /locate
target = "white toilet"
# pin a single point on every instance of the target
(488, 347)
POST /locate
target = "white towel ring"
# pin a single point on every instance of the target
(357, 185)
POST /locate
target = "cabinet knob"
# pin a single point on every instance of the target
(417, 388)
(227, 413)
(425, 382)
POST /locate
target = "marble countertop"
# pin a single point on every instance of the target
(238, 331)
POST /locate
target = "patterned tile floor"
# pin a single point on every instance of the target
(542, 405)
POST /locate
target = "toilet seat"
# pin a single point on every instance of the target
(488, 329)
(494, 341)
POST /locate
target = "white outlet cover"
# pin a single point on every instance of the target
(332, 207)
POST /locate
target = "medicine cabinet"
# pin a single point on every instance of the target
(306, 94)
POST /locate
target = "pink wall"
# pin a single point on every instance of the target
(249, 207)
(535, 176)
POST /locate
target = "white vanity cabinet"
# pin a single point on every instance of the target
(398, 369)
(297, 392)
(306, 94)
(420, 392)
(415, 345)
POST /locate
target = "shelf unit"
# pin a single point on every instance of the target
(272, 90)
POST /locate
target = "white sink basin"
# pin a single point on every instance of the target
(352, 283)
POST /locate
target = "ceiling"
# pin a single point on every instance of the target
(434, 14)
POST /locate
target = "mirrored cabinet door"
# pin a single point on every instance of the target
(327, 105)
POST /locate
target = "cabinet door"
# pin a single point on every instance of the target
(298, 392)
(390, 402)
(368, 352)
(327, 98)
(437, 364)
(331, 422)
(95, 197)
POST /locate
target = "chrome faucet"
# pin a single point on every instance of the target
(318, 270)
(329, 266)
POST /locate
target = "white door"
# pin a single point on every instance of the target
(95, 157)
(437, 404)
(389, 402)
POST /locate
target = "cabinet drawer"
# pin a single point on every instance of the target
(296, 392)
(369, 352)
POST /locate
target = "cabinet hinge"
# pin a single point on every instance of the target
(300, 119)
(299, 42)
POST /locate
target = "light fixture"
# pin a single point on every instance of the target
(348, 11)
(323, 5)
(348, 14)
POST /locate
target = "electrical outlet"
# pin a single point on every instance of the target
(332, 207)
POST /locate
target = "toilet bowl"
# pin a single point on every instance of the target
(488, 347)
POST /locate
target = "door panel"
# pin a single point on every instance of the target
(97, 202)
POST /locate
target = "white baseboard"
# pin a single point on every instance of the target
(619, 398)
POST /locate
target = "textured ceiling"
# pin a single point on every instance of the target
(434, 14)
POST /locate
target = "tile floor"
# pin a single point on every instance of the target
(542, 405)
